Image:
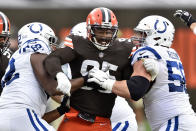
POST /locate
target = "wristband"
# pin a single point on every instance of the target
(62, 110)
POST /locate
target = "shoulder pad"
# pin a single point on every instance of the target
(145, 52)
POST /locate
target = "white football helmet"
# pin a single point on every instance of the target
(36, 31)
(80, 29)
(155, 30)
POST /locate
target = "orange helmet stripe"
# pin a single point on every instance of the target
(1, 24)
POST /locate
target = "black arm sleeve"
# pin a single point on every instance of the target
(61, 56)
(138, 86)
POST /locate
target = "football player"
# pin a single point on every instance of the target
(4, 44)
(167, 105)
(92, 106)
(187, 18)
(26, 85)
(123, 117)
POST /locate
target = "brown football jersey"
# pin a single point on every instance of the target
(3, 65)
(82, 56)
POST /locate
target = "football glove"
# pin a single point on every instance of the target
(152, 67)
(65, 105)
(64, 84)
(101, 78)
(185, 17)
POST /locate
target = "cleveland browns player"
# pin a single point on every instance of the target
(91, 106)
(4, 44)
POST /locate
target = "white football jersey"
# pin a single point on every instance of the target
(121, 110)
(123, 116)
(20, 86)
(167, 97)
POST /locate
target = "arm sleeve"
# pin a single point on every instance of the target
(138, 86)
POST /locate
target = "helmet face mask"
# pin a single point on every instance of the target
(103, 36)
(139, 37)
(51, 38)
(102, 27)
(158, 31)
(4, 32)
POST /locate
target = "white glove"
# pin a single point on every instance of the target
(64, 84)
(152, 67)
(101, 78)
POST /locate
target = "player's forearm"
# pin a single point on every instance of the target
(51, 116)
(120, 88)
(193, 27)
(76, 83)
(134, 88)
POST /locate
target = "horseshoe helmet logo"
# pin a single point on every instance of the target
(160, 31)
(36, 29)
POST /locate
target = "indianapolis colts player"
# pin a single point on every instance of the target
(166, 102)
(26, 84)
(167, 105)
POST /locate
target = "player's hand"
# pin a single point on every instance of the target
(91, 84)
(65, 105)
(152, 67)
(101, 78)
(64, 84)
(184, 16)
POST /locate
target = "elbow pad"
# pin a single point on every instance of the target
(138, 86)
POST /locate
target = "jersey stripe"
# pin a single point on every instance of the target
(68, 39)
(116, 126)
(31, 119)
(39, 122)
(133, 51)
(68, 42)
(176, 124)
(149, 49)
(168, 125)
(126, 126)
